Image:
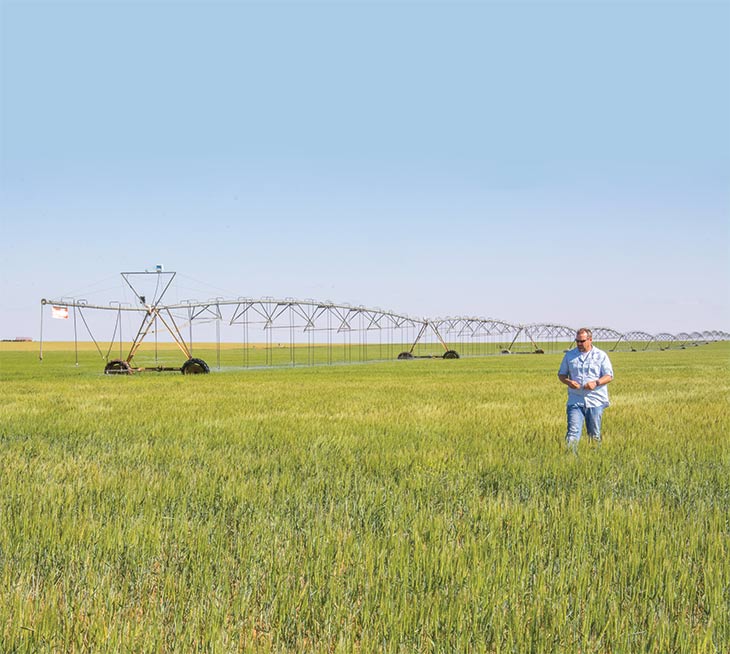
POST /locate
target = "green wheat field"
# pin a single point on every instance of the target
(400, 506)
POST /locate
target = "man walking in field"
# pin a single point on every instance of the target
(586, 371)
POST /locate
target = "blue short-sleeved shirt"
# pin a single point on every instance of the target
(584, 367)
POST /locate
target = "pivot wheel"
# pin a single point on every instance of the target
(195, 367)
(118, 367)
(451, 354)
(405, 355)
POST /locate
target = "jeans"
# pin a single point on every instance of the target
(577, 414)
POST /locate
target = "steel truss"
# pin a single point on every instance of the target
(288, 331)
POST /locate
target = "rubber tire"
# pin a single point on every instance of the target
(451, 354)
(195, 367)
(405, 355)
(117, 367)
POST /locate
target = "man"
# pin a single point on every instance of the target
(586, 371)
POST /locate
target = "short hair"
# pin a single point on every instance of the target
(586, 331)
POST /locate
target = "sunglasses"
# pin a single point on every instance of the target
(583, 341)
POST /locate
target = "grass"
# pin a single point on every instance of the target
(420, 506)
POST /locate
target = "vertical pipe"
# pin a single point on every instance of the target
(269, 327)
(190, 317)
(245, 341)
(391, 339)
(40, 351)
(291, 335)
(380, 342)
(156, 356)
(76, 338)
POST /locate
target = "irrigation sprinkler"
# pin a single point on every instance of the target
(153, 313)
(634, 340)
(290, 332)
(448, 352)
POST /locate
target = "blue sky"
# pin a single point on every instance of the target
(535, 162)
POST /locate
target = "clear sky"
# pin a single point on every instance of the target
(563, 162)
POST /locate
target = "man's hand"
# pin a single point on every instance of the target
(592, 385)
(568, 382)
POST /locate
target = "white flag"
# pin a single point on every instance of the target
(61, 313)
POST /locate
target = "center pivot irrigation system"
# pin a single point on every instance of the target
(153, 313)
(270, 332)
(157, 317)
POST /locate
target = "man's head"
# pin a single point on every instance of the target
(584, 339)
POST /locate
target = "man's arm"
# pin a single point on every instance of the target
(568, 381)
(606, 375)
(601, 381)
